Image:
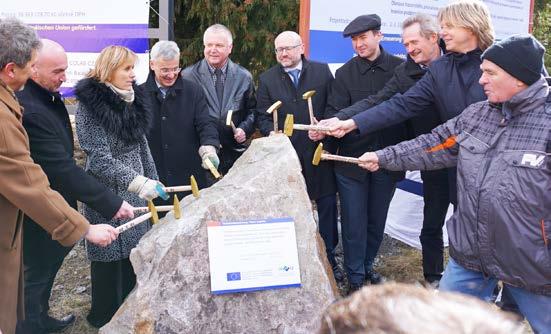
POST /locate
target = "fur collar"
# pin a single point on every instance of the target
(128, 121)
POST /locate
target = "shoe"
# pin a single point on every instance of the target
(56, 325)
(353, 287)
(374, 277)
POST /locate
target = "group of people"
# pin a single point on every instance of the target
(459, 99)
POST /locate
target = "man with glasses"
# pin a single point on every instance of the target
(227, 86)
(181, 123)
(286, 82)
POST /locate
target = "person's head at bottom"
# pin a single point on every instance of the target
(408, 309)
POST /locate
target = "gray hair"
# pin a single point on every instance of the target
(219, 28)
(166, 50)
(427, 24)
(17, 42)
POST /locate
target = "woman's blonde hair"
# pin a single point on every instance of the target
(109, 60)
(472, 15)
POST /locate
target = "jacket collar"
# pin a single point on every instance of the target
(151, 85)
(41, 93)
(413, 69)
(461, 58)
(382, 61)
(8, 97)
(129, 122)
(305, 65)
(527, 100)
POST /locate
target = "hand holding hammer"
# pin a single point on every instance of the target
(238, 134)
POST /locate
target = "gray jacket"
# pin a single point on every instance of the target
(112, 134)
(239, 96)
(502, 226)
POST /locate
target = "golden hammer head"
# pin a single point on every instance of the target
(288, 126)
(228, 117)
(153, 210)
(177, 210)
(308, 94)
(317, 155)
(194, 187)
(274, 107)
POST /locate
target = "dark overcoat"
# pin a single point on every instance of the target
(181, 123)
(354, 81)
(51, 140)
(276, 85)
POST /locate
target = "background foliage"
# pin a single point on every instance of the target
(255, 23)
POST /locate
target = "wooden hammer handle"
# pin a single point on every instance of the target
(351, 160)
(161, 208)
(133, 222)
(308, 127)
(177, 189)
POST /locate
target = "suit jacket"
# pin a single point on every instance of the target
(24, 188)
(239, 96)
(181, 123)
(275, 84)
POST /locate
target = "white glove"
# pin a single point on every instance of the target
(145, 188)
(209, 152)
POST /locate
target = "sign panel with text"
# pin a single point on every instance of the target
(252, 255)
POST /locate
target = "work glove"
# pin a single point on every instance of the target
(209, 152)
(147, 189)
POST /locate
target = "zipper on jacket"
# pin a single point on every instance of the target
(543, 234)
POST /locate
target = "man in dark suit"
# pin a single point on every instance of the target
(182, 128)
(227, 86)
(286, 82)
(51, 142)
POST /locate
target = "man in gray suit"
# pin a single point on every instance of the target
(227, 86)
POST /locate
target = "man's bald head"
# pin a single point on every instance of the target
(50, 66)
(289, 49)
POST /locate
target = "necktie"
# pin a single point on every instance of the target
(219, 85)
(163, 91)
(294, 74)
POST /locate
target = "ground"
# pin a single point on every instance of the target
(71, 293)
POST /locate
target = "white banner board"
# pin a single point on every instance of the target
(84, 28)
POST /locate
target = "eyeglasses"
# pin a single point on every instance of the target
(286, 48)
(165, 71)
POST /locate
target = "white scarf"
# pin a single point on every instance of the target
(126, 95)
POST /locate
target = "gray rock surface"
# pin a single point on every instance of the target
(172, 293)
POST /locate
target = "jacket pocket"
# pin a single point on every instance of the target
(470, 161)
(10, 235)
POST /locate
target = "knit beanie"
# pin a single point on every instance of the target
(520, 55)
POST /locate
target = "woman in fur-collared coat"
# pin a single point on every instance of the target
(111, 120)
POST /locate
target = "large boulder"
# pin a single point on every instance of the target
(172, 294)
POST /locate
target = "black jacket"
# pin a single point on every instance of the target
(449, 86)
(181, 123)
(51, 141)
(405, 76)
(354, 81)
(274, 85)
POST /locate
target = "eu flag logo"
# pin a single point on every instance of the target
(233, 276)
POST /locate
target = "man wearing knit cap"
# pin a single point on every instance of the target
(501, 230)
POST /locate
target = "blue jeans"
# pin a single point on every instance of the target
(364, 207)
(536, 308)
